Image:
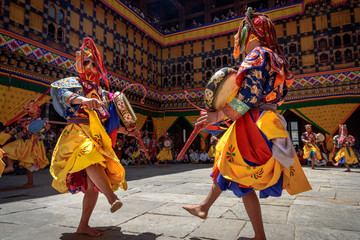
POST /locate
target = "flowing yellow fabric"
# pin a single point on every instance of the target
(80, 146)
(4, 137)
(233, 167)
(165, 154)
(28, 152)
(311, 147)
(348, 154)
(212, 151)
(2, 164)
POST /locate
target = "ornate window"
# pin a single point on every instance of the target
(218, 62)
(52, 11)
(122, 49)
(173, 81)
(292, 48)
(117, 46)
(323, 43)
(122, 64)
(165, 70)
(338, 56)
(324, 58)
(117, 61)
(61, 16)
(347, 39)
(179, 81)
(173, 69)
(337, 41)
(51, 30)
(188, 79)
(208, 76)
(348, 55)
(225, 60)
(179, 68)
(165, 82)
(60, 34)
(293, 62)
(208, 63)
(187, 66)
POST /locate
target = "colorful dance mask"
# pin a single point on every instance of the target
(255, 26)
(89, 63)
(308, 127)
(343, 132)
(32, 109)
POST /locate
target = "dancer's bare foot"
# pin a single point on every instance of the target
(196, 211)
(28, 185)
(116, 206)
(348, 170)
(8, 170)
(88, 231)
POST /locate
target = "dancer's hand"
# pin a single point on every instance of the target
(206, 118)
(91, 103)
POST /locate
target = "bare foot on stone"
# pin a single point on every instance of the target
(196, 211)
(116, 206)
(8, 170)
(88, 231)
(28, 185)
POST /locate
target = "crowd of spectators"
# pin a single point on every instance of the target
(129, 152)
(231, 13)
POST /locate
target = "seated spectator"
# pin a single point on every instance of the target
(204, 157)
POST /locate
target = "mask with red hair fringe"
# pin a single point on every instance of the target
(89, 57)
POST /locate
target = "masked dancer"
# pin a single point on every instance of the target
(255, 153)
(83, 158)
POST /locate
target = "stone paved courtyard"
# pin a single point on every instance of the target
(153, 208)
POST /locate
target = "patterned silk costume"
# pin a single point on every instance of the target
(29, 150)
(84, 141)
(2, 164)
(165, 153)
(344, 143)
(256, 151)
(310, 147)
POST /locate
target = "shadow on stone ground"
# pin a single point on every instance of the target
(11, 191)
(112, 233)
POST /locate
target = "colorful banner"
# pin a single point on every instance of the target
(161, 125)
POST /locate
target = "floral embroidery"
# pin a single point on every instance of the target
(230, 154)
(98, 139)
(258, 174)
(292, 171)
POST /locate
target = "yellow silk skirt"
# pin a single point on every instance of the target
(4, 137)
(212, 151)
(232, 166)
(2, 164)
(31, 154)
(80, 146)
(348, 154)
(165, 154)
(309, 148)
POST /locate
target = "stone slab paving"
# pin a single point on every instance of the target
(153, 208)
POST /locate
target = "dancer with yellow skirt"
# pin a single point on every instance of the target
(165, 154)
(343, 148)
(29, 148)
(311, 150)
(83, 159)
(255, 153)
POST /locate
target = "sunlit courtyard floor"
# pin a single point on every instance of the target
(153, 208)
